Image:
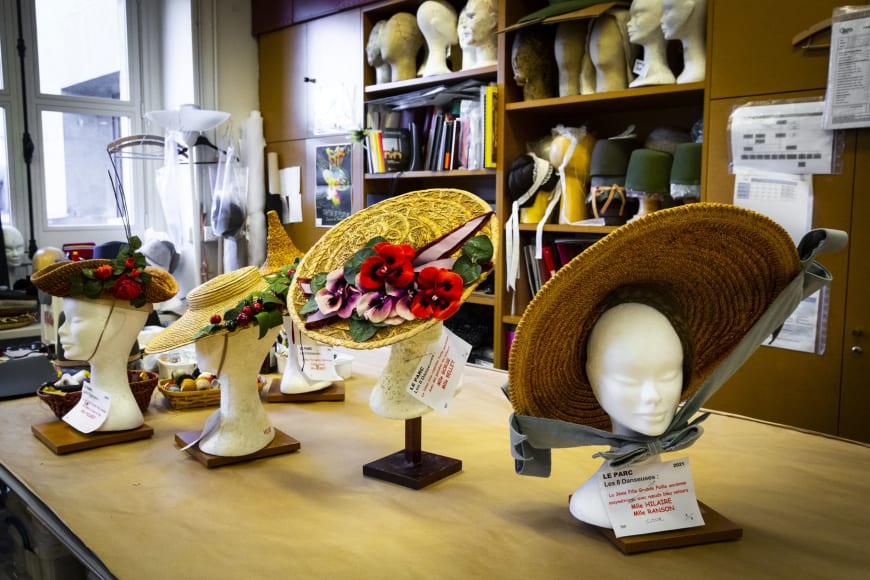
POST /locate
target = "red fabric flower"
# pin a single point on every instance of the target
(134, 273)
(130, 263)
(103, 272)
(126, 289)
(391, 265)
(439, 292)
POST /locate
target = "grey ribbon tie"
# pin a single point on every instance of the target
(673, 440)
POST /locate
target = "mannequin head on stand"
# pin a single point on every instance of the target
(374, 56)
(437, 20)
(478, 22)
(610, 51)
(400, 41)
(644, 30)
(686, 21)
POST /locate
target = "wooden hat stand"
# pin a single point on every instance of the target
(61, 438)
(412, 467)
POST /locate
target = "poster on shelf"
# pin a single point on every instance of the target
(332, 192)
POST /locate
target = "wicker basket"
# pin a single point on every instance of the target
(189, 399)
(142, 390)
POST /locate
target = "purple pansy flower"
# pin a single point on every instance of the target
(337, 297)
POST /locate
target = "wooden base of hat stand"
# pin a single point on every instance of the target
(334, 392)
(412, 467)
(716, 528)
(61, 438)
(281, 444)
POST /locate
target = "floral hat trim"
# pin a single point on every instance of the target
(264, 309)
(124, 277)
(385, 284)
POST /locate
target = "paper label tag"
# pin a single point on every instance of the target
(435, 380)
(318, 362)
(650, 498)
(91, 410)
(641, 68)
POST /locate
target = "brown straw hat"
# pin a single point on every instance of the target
(724, 266)
(209, 298)
(415, 219)
(120, 281)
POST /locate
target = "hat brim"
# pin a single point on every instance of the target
(416, 219)
(55, 279)
(724, 266)
(212, 297)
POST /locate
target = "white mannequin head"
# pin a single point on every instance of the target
(100, 330)
(570, 49)
(14, 242)
(103, 332)
(478, 22)
(635, 368)
(686, 21)
(437, 20)
(373, 53)
(644, 29)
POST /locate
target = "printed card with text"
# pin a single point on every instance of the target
(91, 410)
(435, 380)
(649, 498)
(318, 362)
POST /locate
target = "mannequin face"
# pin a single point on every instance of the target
(85, 321)
(14, 242)
(477, 23)
(645, 21)
(373, 46)
(635, 368)
(676, 16)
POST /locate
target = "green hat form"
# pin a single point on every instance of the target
(686, 169)
(649, 172)
(608, 163)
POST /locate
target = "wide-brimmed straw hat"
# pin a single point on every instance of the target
(120, 281)
(416, 219)
(210, 298)
(723, 265)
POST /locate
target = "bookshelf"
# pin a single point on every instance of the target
(418, 100)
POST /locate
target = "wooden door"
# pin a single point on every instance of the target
(855, 391)
(779, 385)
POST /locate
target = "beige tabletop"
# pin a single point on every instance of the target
(148, 510)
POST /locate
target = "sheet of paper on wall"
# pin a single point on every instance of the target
(291, 194)
(787, 137)
(847, 98)
(806, 329)
(785, 198)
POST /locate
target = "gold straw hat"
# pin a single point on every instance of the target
(120, 278)
(210, 298)
(722, 264)
(280, 249)
(416, 219)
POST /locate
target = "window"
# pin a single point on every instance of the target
(83, 75)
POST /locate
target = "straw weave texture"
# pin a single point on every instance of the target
(211, 297)
(416, 219)
(723, 264)
(54, 279)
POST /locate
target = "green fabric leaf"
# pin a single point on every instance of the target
(478, 249)
(268, 320)
(309, 307)
(352, 266)
(318, 282)
(361, 330)
(467, 269)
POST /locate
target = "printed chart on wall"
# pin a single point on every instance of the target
(332, 196)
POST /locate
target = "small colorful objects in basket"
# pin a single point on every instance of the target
(190, 392)
(62, 395)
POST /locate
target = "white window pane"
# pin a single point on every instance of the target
(82, 47)
(5, 211)
(78, 190)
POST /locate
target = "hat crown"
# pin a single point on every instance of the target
(649, 171)
(686, 169)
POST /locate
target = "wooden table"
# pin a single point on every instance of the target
(147, 510)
